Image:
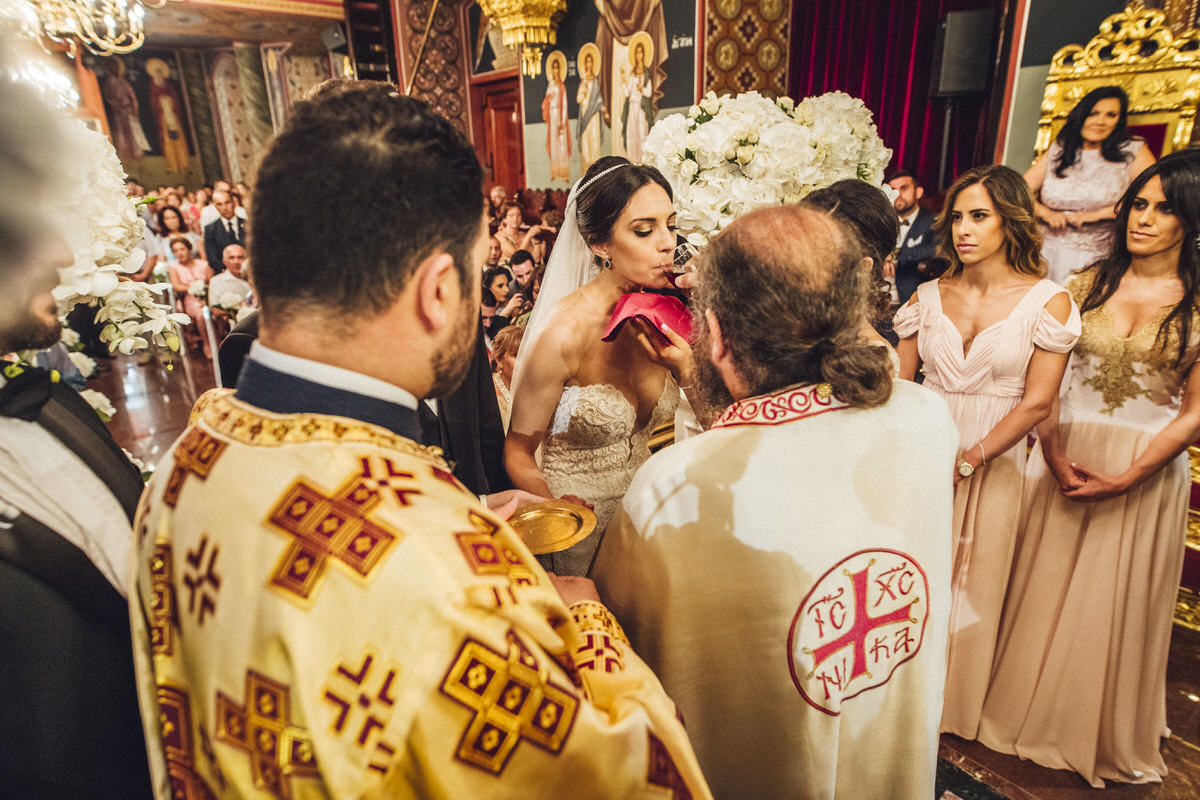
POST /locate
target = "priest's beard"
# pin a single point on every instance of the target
(38, 327)
(451, 363)
(709, 382)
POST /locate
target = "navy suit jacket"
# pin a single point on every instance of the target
(216, 239)
(920, 244)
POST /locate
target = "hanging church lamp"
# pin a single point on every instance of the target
(528, 26)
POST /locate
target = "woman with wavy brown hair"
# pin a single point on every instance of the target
(992, 337)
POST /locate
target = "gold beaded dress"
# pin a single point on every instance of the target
(1079, 680)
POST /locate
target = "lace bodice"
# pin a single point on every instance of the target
(593, 447)
(1091, 183)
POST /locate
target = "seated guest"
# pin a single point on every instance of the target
(504, 359)
(787, 572)
(497, 199)
(171, 223)
(231, 282)
(493, 258)
(371, 629)
(499, 300)
(70, 725)
(189, 278)
(522, 266)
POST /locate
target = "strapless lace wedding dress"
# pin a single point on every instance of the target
(592, 451)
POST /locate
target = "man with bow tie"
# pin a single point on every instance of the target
(916, 246)
(225, 230)
(71, 726)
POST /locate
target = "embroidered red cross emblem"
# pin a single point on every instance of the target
(513, 700)
(388, 478)
(864, 623)
(333, 526)
(598, 652)
(278, 750)
(175, 728)
(663, 772)
(195, 455)
(349, 690)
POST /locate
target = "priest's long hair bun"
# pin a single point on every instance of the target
(789, 290)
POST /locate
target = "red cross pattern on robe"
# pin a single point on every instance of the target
(663, 772)
(364, 697)
(858, 623)
(487, 554)
(261, 728)
(512, 699)
(598, 652)
(336, 526)
(195, 455)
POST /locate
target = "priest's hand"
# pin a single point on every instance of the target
(574, 589)
(579, 501)
(505, 504)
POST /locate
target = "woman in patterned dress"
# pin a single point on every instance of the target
(1080, 178)
(1080, 677)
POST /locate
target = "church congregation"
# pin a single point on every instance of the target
(690, 477)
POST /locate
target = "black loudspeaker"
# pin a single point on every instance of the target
(963, 56)
(334, 37)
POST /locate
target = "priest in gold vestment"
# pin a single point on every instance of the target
(786, 573)
(321, 609)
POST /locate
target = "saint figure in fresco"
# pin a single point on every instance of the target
(124, 126)
(591, 105)
(637, 114)
(166, 104)
(554, 113)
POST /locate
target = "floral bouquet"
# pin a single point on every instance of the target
(198, 288)
(230, 301)
(106, 237)
(731, 155)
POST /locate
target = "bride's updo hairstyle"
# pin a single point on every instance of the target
(605, 191)
(788, 289)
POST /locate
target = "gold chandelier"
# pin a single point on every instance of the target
(527, 25)
(104, 27)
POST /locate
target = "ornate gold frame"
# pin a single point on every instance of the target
(1136, 50)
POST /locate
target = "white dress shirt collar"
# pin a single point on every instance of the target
(331, 376)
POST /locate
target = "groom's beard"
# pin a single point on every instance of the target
(450, 365)
(709, 383)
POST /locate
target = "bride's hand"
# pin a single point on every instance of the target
(676, 356)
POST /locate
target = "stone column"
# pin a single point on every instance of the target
(254, 93)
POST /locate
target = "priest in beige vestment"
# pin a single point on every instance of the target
(320, 609)
(787, 572)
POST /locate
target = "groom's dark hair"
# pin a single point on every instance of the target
(360, 186)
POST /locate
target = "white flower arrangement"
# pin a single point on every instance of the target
(731, 155)
(106, 237)
(230, 301)
(198, 288)
(83, 363)
(99, 403)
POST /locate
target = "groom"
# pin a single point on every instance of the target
(807, 531)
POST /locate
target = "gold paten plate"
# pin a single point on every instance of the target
(553, 525)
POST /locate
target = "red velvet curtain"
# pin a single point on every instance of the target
(883, 53)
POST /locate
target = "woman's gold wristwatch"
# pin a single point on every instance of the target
(964, 467)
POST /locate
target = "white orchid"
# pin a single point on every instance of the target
(85, 365)
(99, 403)
(731, 155)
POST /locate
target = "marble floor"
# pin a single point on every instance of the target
(153, 398)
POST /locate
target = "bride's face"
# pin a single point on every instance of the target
(643, 240)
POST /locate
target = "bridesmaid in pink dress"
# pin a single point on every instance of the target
(992, 337)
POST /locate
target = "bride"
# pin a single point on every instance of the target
(589, 406)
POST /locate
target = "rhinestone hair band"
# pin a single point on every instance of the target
(601, 175)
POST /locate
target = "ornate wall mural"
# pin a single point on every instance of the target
(441, 79)
(746, 45)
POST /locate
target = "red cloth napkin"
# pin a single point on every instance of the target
(657, 309)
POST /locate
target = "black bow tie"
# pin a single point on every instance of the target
(26, 392)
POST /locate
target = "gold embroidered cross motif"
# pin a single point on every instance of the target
(195, 455)
(513, 700)
(327, 527)
(487, 556)
(262, 728)
(162, 602)
(370, 687)
(598, 652)
(175, 727)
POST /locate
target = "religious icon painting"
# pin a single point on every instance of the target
(554, 114)
(591, 105)
(634, 93)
